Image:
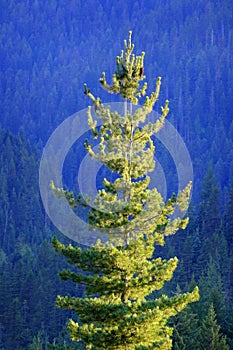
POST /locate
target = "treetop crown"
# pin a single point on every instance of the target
(129, 72)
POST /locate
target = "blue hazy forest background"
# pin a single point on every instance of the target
(48, 50)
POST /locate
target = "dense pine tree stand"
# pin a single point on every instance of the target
(119, 275)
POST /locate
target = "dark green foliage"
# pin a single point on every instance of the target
(37, 343)
(210, 336)
(209, 205)
(212, 292)
(185, 328)
(27, 290)
(186, 332)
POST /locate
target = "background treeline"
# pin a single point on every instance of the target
(48, 49)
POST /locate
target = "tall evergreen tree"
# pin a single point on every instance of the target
(115, 313)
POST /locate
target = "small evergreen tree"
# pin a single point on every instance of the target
(37, 343)
(212, 292)
(210, 336)
(115, 313)
(185, 329)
